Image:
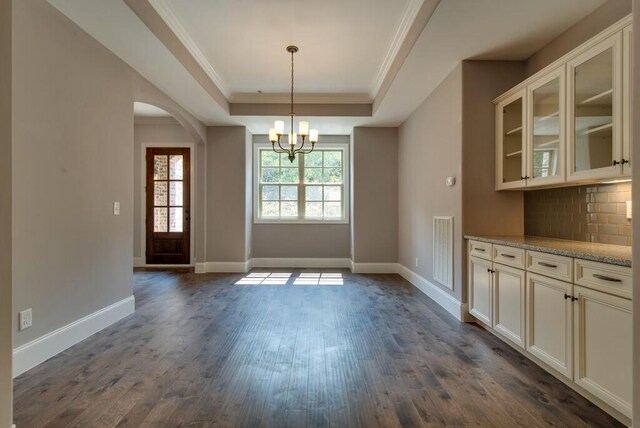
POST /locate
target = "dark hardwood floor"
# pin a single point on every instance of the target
(203, 351)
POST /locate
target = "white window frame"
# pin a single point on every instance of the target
(346, 201)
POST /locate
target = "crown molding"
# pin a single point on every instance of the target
(166, 12)
(300, 98)
(408, 17)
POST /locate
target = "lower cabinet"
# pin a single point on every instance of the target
(603, 346)
(508, 303)
(550, 322)
(480, 289)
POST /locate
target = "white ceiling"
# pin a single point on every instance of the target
(344, 46)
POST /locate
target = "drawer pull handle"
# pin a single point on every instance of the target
(606, 278)
(549, 265)
(508, 255)
(480, 249)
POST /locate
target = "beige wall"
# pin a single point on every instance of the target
(167, 134)
(595, 22)
(636, 216)
(73, 157)
(226, 194)
(375, 195)
(301, 240)
(6, 347)
(429, 150)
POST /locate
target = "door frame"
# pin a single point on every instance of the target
(143, 202)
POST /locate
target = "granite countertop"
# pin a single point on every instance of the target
(605, 253)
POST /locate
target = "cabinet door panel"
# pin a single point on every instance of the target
(508, 303)
(546, 142)
(627, 92)
(511, 148)
(550, 322)
(480, 289)
(603, 347)
(595, 143)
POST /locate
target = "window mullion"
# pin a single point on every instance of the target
(301, 189)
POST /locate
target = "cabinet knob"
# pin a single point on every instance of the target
(566, 296)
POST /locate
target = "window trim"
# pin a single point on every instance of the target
(346, 201)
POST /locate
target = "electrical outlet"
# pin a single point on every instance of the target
(416, 262)
(116, 208)
(26, 319)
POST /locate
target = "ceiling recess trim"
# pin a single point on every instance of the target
(300, 98)
(408, 17)
(166, 12)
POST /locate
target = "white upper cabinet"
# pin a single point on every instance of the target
(595, 113)
(545, 133)
(570, 122)
(511, 142)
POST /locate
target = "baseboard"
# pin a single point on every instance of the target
(226, 267)
(139, 262)
(300, 263)
(374, 267)
(441, 297)
(31, 354)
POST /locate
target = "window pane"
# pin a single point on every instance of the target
(313, 209)
(289, 193)
(159, 167)
(175, 219)
(289, 209)
(160, 219)
(270, 209)
(176, 197)
(269, 158)
(332, 209)
(160, 193)
(313, 193)
(313, 175)
(313, 159)
(332, 193)
(270, 175)
(289, 175)
(270, 193)
(333, 159)
(333, 175)
(175, 167)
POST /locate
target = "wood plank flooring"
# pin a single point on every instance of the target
(202, 350)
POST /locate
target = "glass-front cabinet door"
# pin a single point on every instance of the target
(627, 96)
(511, 151)
(546, 142)
(595, 149)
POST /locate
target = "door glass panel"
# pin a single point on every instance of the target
(175, 219)
(593, 122)
(175, 194)
(546, 129)
(160, 193)
(175, 167)
(512, 141)
(159, 167)
(160, 219)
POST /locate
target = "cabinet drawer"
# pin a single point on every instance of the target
(604, 277)
(480, 249)
(508, 256)
(558, 267)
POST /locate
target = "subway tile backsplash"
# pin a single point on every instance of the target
(595, 213)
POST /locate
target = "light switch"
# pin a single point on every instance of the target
(26, 319)
(629, 210)
(116, 208)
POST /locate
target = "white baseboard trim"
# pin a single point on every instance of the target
(301, 263)
(31, 354)
(441, 297)
(227, 267)
(374, 267)
(139, 262)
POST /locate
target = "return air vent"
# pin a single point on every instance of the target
(443, 250)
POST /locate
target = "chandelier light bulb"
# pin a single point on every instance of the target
(273, 137)
(279, 127)
(303, 128)
(313, 135)
(293, 138)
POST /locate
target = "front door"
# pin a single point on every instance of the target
(168, 203)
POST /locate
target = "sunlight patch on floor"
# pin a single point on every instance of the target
(319, 279)
(282, 278)
(265, 278)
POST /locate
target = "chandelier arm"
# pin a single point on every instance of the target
(282, 148)
(301, 146)
(308, 151)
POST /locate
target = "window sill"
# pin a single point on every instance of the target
(320, 222)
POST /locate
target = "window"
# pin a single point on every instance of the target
(312, 188)
(544, 163)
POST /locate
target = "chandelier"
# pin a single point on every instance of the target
(277, 131)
